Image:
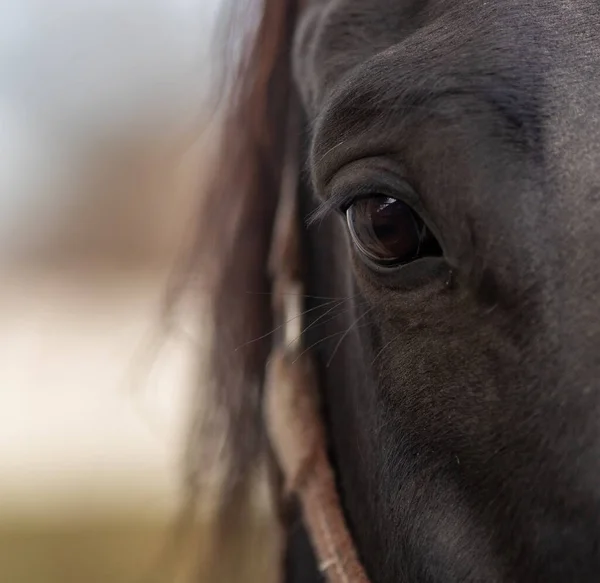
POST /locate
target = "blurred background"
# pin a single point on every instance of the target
(104, 128)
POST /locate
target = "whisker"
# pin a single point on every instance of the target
(345, 335)
(312, 324)
(286, 322)
(315, 344)
(345, 298)
(318, 342)
(380, 352)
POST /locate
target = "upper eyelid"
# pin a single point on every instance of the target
(376, 175)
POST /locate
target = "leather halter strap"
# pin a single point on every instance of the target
(291, 399)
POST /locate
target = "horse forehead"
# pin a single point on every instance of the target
(548, 56)
(547, 36)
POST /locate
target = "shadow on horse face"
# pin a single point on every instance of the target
(462, 402)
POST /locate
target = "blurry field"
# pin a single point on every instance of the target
(88, 461)
(114, 550)
(90, 432)
(110, 551)
(90, 435)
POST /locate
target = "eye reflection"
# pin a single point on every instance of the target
(387, 231)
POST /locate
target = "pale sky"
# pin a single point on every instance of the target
(75, 76)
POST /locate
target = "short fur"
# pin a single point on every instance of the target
(461, 394)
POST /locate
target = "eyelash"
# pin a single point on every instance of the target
(339, 203)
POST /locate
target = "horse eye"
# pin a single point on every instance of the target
(388, 232)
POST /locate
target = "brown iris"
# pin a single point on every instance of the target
(388, 232)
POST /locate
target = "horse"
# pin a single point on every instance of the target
(445, 160)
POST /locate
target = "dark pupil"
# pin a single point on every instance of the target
(388, 231)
